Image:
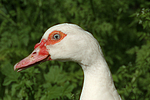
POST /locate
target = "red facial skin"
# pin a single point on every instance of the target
(40, 52)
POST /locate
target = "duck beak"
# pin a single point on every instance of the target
(40, 54)
(31, 60)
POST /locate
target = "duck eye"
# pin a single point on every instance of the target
(56, 36)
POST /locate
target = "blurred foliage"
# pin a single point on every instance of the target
(121, 27)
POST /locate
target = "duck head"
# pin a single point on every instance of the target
(63, 42)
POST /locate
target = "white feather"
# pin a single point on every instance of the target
(80, 46)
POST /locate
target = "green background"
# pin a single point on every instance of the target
(122, 27)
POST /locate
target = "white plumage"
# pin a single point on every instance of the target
(81, 47)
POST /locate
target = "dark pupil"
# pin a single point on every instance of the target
(56, 36)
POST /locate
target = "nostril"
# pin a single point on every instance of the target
(34, 52)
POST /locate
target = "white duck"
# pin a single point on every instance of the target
(69, 42)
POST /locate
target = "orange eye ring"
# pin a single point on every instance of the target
(55, 37)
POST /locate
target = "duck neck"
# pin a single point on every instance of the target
(98, 83)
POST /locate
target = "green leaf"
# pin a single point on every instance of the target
(11, 75)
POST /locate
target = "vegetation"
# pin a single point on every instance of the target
(122, 28)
